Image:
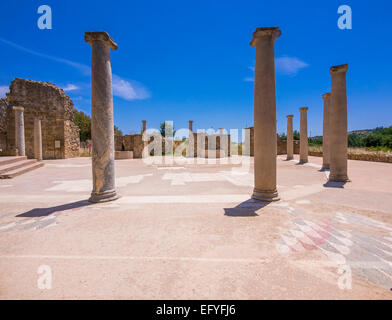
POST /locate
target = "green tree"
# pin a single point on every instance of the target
(355, 140)
(167, 127)
(117, 131)
(296, 135)
(83, 121)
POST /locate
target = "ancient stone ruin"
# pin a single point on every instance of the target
(44, 101)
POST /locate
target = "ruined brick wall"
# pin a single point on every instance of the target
(118, 142)
(49, 103)
(3, 114)
(131, 142)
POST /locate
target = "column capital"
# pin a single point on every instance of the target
(290, 116)
(304, 109)
(272, 32)
(326, 95)
(17, 108)
(342, 68)
(91, 37)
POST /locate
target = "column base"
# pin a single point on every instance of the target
(338, 178)
(325, 167)
(289, 158)
(302, 161)
(103, 196)
(267, 196)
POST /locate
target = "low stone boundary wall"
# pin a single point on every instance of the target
(122, 155)
(374, 157)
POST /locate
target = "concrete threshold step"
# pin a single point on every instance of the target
(13, 173)
(15, 165)
(12, 159)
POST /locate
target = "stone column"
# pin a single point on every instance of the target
(338, 124)
(19, 131)
(37, 140)
(303, 136)
(265, 146)
(289, 140)
(144, 126)
(326, 128)
(102, 124)
(191, 125)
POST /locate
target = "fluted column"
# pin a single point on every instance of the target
(19, 131)
(102, 124)
(265, 146)
(37, 140)
(289, 138)
(326, 129)
(338, 124)
(303, 143)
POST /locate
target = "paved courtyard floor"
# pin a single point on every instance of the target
(184, 231)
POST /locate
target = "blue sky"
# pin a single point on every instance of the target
(182, 60)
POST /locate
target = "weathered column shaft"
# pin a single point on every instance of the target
(20, 131)
(326, 129)
(289, 138)
(265, 146)
(102, 124)
(37, 140)
(144, 126)
(338, 124)
(303, 143)
(190, 125)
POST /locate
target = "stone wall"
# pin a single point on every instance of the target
(49, 103)
(131, 142)
(366, 156)
(3, 115)
(281, 144)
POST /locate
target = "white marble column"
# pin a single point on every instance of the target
(289, 138)
(37, 140)
(265, 146)
(102, 124)
(338, 124)
(326, 128)
(303, 136)
(19, 131)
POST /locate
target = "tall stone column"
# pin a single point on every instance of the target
(290, 140)
(37, 140)
(338, 124)
(191, 125)
(326, 128)
(265, 146)
(102, 124)
(144, 126)
(19, 131)
(303, 136)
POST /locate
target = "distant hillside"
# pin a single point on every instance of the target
(364, 132)
(379, 138)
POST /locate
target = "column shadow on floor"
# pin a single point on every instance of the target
(334, 184)
(247, 208)
(42, 212)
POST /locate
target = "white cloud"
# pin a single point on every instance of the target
(128, 90)
(70, 87)
(249, 79)
(3, 91)
(289, 65)
(284, 65)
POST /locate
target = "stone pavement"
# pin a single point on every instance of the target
(191, 231)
